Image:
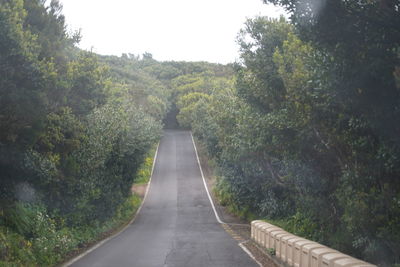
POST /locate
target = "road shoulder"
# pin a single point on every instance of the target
(238, 228)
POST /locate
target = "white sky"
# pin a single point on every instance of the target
(189, 30)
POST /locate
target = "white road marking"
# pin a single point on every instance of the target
(70, 262)
(205, 184)
(249, 253)
(213, 206)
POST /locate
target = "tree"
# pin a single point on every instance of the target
(22, 104)
(260, 73)
(87, 83)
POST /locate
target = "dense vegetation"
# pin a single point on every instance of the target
(75, 132)
(308, 135)
(304, 130)
(73, 135)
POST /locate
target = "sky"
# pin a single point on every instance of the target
(188, 30)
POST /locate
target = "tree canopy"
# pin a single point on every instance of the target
(307, 136)
(303, 129)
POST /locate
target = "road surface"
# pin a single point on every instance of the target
(176, 225)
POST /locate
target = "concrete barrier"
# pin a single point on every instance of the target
(298, 248)
(349, 262)
(316, 255)
(291, 248)
(280, 244)
(272, 232)
(299, 252)
(266, 229)
(254, 228)
(269, 236)
(306, 253)
(329, 259)
(285, 252)
(257, 230)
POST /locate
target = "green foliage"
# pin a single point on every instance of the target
(192, 92)
(144, 172)
(22, 104)
(87, 86)
(30, 236)
(72, 136)
(303, 130)
(271, 251)
(187, 105)
(139, 84)
(267, 88)
(33, 238)
(15, 250)
(304, 139)
(224, 191)
(42, 243)
(300, 224)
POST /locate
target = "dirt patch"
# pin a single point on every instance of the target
(139, 189)
(261, 255)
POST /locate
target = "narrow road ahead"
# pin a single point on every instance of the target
(176, 225)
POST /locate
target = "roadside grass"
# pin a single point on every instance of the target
(36, 238)
(299, 225)
(226, 199)
(144, 173)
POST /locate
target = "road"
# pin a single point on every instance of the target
(176, 225)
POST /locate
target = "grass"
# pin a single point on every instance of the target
(144, 173)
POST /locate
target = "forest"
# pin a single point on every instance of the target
(303, 131)
(306, 135)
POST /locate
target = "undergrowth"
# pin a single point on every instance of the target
(31, 236)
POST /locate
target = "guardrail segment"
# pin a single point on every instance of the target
(299, 252)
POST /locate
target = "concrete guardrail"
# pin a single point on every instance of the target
(299, 252)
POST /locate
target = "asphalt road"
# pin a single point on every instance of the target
(176, 225)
